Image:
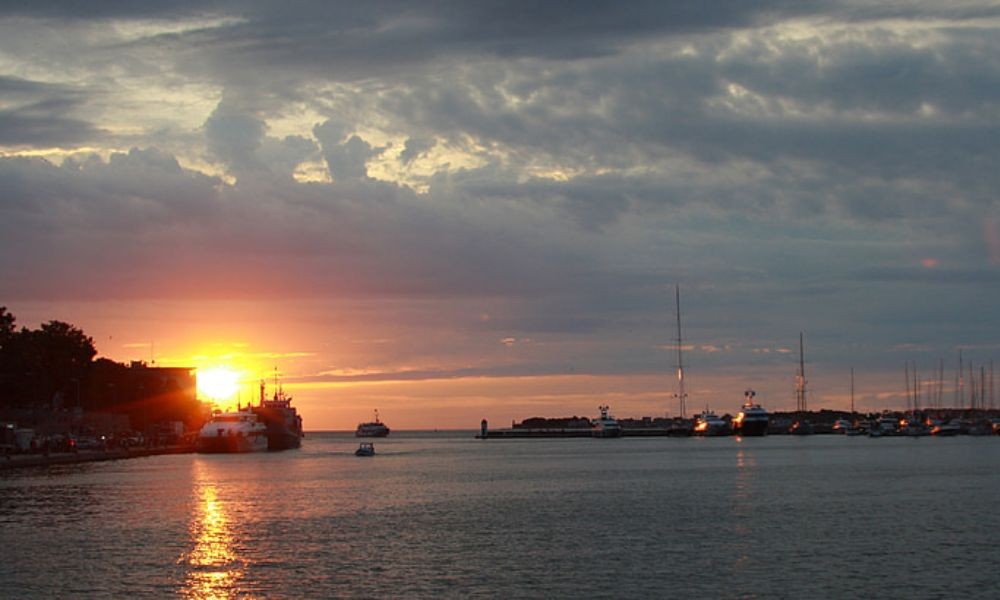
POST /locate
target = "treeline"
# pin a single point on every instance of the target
(52, 368)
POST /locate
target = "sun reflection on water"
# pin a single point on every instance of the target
(215, 568)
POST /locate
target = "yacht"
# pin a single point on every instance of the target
(606, 426)
(886, 425)
(232, 432)
(710, 424)
(752, 419)
(953, 427)
(375, 428)
(842, 426)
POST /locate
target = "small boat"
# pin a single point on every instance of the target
(710, 424)
(365, 449)
(953, 427)
(232, 432)
(375, 428)
(802, 427)
(753, 419)
(886, 425)
(841, 426)
(606, 426)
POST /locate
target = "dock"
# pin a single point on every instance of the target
(522, 433)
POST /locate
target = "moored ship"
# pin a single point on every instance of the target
(374, 428)
(232, 432)
(752, 419)
(283, 422)
(710, 424)
(605, 426)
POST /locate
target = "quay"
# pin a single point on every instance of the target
(522, 433)
(15, 461)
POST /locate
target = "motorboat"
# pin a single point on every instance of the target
(605, 426)
(232, 432)
(885, 425)
(710, 424)
(374, 428)
(953, 427)
(801, 427)
(842, 426)
(752, 420)
(365, 449)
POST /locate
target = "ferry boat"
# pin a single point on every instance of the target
(284, 425)
(606, 426)
(375, 428)
(710, 424)
(752, 419)
(232, 432)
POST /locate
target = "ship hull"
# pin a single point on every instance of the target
(752, 428)
(282, 439)
(231, 444)
(369, 431)
(284, 427)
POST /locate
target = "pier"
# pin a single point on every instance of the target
(14, 461)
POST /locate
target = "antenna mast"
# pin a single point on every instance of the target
(681, 394)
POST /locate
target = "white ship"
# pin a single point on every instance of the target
(232, 432)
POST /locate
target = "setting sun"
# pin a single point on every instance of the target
(218, 383)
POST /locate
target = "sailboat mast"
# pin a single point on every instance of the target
(906, 375)
(800, 384)
(852, 390)
(681, 395)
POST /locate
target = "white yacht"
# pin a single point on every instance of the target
(710, 424)
(753, 419)
(606, 426)
(232, 432)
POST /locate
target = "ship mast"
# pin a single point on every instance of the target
(681, 394)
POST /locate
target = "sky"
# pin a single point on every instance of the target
(451, 211)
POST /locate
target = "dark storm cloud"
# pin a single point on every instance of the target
(36, 114)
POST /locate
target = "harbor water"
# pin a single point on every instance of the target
(445, 515)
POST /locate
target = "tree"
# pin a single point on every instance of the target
(6, 325)
(36, 365)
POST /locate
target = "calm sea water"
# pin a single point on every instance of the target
(445, 515)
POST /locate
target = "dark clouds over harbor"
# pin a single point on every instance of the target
(514, 188)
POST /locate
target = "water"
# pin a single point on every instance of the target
(445, 515)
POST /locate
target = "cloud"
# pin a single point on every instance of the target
(555, 166)
(36, 115)
(346, 155)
